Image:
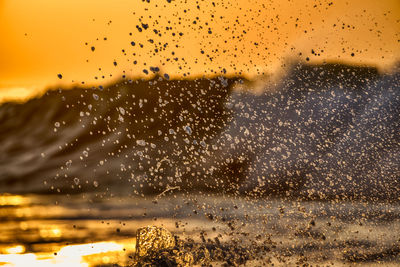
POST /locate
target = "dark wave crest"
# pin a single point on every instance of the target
(322, 131)
(92, 139)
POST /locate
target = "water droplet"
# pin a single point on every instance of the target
(246, 132)
(141, 142)
(187, 129)
(122, 167)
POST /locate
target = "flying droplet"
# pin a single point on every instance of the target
(141, 142)
(187, 129)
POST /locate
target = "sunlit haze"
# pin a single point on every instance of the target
(91, 41)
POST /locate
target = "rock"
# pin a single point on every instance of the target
(152, 239)
(156, 246)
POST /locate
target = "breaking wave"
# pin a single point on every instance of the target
(321, 131)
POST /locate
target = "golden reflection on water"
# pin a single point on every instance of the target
(91, 254)
(34, 233)
(13, 200)
(15, 249)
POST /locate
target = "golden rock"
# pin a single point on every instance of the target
(152, 239)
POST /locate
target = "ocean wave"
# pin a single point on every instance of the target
(324, 131)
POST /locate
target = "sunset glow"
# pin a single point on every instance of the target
(82, 40)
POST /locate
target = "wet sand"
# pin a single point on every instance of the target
(90, 230)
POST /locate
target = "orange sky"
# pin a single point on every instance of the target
(42, 38)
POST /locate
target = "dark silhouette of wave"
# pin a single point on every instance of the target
(323, 131)
(98, 139)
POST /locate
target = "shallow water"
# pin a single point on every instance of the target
(88, 230)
